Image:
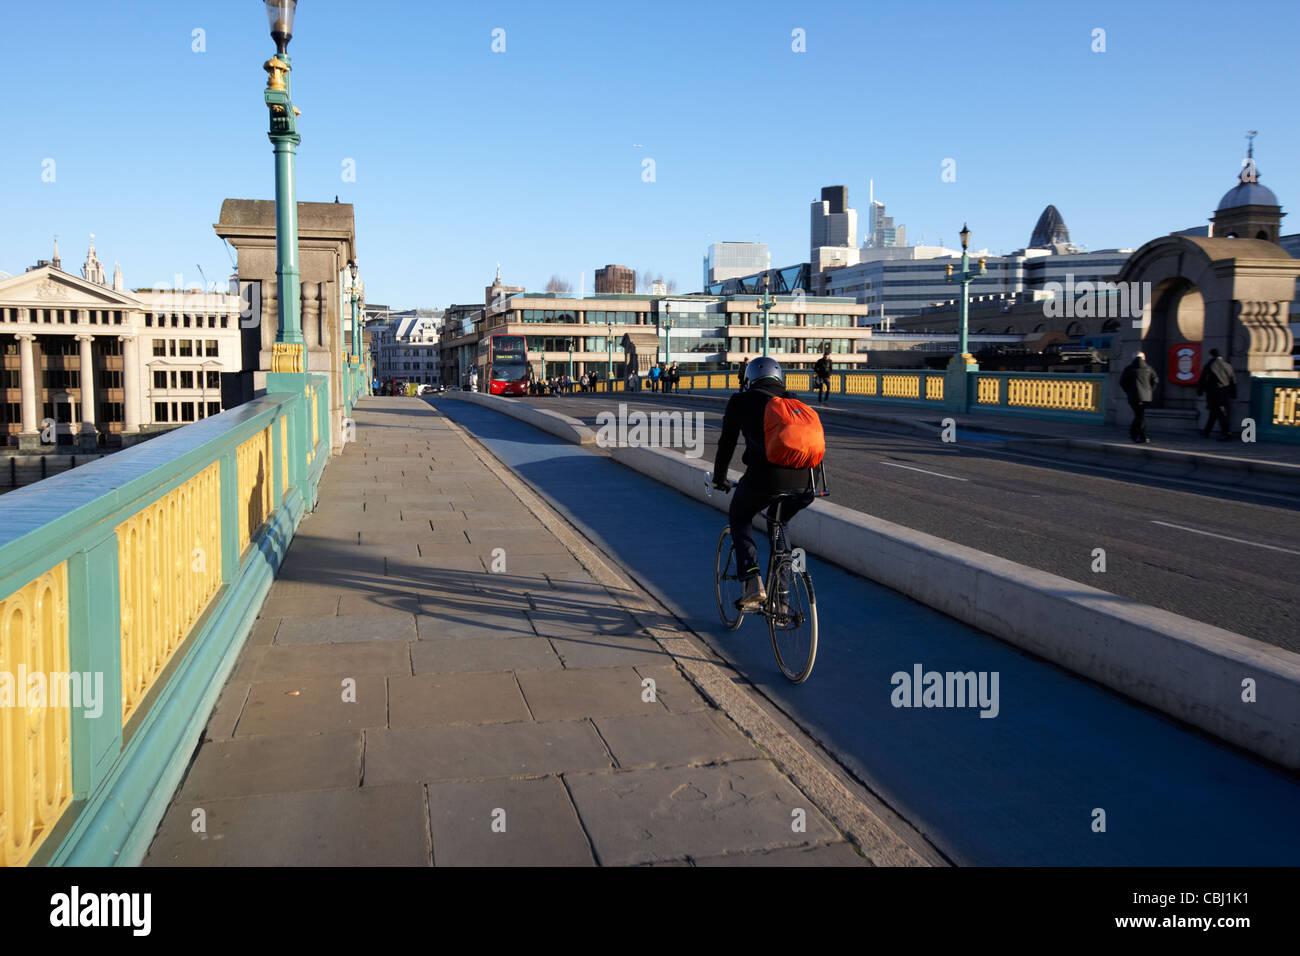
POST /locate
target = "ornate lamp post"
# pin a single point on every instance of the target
(358, 386)
(609, 360)
(962, 362)
(287, 351)
(765, 303)
(668, 333)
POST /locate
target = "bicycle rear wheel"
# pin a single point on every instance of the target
(792, 620)
(727, 586)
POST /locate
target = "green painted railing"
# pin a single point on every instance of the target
(140, 576)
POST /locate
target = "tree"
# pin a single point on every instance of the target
(648, 277)
(559, 285)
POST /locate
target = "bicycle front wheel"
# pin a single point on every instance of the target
(792, 620)
(727, 586)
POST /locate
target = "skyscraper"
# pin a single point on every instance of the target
(833, 222)
(883, 233)
(615, 279)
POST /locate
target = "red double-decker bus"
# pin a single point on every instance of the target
(503, 365)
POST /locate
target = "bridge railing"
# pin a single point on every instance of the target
(127, 588)
(1039, 394)
(1275, 406)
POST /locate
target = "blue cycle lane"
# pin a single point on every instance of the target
(1029, 786)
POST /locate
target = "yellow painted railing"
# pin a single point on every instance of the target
(253, 463)
(1066, 394)
(169, 569)
(860, 384)
(284, 454)
(986, 390)
(934, 388)
(798, 381)
(35, 728)
(1286, 407)
(900, 386)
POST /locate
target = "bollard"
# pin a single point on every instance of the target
(43, 471)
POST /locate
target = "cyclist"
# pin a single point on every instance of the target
(762, 480)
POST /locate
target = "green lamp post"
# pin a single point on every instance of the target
(957, 383)
(609, 359)
(765, 303)
(283, 133)
(668, 333)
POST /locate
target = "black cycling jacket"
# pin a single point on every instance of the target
(744, 415)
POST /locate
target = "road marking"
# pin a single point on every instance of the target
(893, 464)
(1225, 537)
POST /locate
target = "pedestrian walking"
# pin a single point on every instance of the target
(1139, 381)
(674, 376)
(654, 378)
(822, 372)
(1218, 383)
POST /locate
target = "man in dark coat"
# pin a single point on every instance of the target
(1139, 382)
(1219, 386)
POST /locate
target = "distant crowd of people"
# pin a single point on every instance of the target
(562, 384)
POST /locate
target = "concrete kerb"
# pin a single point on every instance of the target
(561, 426)
(1192, 671)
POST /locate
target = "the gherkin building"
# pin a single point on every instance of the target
(1050, 230)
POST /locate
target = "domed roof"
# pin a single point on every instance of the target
(1247, 194)
(1049, 230)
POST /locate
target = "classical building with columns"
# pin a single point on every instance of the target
(87, 365)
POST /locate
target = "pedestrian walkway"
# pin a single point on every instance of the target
(436, 678)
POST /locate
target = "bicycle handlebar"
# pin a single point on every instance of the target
(710, 488)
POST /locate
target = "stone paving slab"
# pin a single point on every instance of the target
(472, 621)
(609, 650)
(664, 740)
(371, 826)
(506, 822)
(646, 815)
(276, 764)
(588, 692)
(308, 661)
(435, 700)
(492, 750)
(312, 706)
(451, 655)
(347, 629)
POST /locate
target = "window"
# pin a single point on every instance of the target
(160, 411)
(187, 348)
(211, 348)
(224, 320)
(213, 379)
(187, 379)
(187, 411)
(159, 378)
(214, 408)
(159, 346)
(171, 347)
(110, 378)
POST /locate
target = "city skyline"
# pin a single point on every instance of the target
(435, 211)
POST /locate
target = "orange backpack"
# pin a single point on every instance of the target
(792, 434)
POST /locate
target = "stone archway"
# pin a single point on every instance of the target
(1229, 294)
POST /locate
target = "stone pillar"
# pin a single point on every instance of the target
(130, 387)
(88, 439)
(29, 439)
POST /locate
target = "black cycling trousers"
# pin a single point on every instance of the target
(754, 493)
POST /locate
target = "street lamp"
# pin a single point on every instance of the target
(287, 350)
(570, 344)
(765, 303)
(609, 360)
(963, 358)
(668, 333)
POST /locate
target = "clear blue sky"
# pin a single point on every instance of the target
(465, 157)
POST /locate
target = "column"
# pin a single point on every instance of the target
(30, 434)
(88, 435)
(130, 384)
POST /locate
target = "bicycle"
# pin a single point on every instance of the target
(791, 605)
